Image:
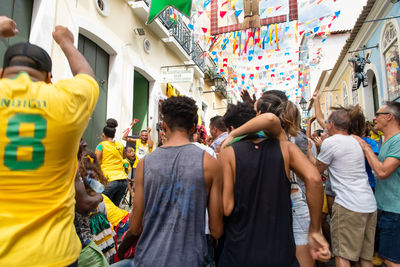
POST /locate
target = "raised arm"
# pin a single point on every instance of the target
(318, 111)
(382, 169)
(213, 178)
(8, 27)
(149, 140)
(126, 138)
(308, 130)
(127, 131)
(77, 61)
(266, 122)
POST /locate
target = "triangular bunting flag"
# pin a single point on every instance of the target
(238, 12)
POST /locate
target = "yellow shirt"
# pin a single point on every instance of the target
(115, 214)
(376, 137)
(41, 125)
(111, 163)
(141, 150)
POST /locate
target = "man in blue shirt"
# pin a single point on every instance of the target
(387, 168)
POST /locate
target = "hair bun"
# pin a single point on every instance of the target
(111, 123)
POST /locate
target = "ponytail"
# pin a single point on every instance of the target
(109, 130)
(290, 117)
(286, 111)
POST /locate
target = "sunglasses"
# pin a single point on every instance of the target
(381, 113)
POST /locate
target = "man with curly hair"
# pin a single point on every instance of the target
(173, 185)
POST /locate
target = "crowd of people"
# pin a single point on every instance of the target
(258, 191)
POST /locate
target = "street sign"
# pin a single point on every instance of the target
(177, 75)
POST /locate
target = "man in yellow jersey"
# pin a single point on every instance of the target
(143, 145)
(42, 124)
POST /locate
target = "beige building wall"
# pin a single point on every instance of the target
(215, 104)
(114, 33)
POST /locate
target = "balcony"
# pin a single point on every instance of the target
(175, 34)
(198, 56)
(141, 10)
(180, 37)
(221, 91)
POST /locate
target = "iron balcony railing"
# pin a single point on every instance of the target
(180, 31)
(183, 36)
(198, 56)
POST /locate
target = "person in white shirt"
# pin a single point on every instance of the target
(354, 213)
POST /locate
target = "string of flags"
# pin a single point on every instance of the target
(255, 59)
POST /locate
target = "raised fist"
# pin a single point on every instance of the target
(8, 27)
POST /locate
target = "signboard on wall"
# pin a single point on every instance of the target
(177, 75)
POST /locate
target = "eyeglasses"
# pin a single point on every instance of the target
(381, 113)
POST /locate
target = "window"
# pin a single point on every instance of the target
(345, 95)
(391, 54)
(354, 96)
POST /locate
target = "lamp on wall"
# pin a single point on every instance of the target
(303, 103)
(220, 82)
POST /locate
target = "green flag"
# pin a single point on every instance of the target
(158, 6)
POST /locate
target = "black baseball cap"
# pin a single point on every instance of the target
(42, 60)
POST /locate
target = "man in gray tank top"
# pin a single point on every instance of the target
(173, 186)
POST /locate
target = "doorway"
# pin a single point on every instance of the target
(140, 102)
(99, 61)
(371, 95)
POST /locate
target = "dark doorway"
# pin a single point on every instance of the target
(99, 61)
(140, 102)
(375, 94)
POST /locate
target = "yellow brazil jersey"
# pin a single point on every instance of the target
(111, 162)
(115, 214)
(39, 138)
(141, 150)
(376, 137)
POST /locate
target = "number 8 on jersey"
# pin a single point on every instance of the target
(22, 142)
